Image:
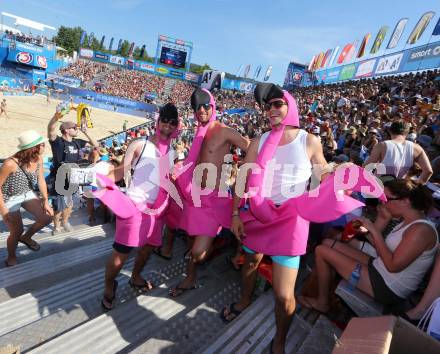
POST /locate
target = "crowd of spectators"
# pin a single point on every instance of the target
(29, 38)
(84, 70)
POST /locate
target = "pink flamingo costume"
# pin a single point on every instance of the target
(138, 225)
(283, 230)
(214, 211)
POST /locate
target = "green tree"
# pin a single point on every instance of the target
(68, 38)
(125, 48)
(198, 69)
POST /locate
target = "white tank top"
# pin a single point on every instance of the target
(145, 182)
(403, 283)
(291, 178)
(399, 158)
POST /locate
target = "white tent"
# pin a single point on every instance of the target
(21, 21)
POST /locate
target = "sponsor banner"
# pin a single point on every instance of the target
(347, 72)
(28, 47)
(237, 85)
(162, 70)
(294, 75)
(175, 73)
(41, 61)
(389, 64)
(101, 56)
(114, 59)
(212, 79)
(365, 69)
(192, 77)
(246, 87)
(333, 75)
(86, 53)
(27, 58)
(146, 67)
(425, 52)
(64, 80)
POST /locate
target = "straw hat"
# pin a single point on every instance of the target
(29, 139)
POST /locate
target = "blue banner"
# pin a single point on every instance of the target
(294, 76)
(423, 57)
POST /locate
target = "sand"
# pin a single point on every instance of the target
(33, 112)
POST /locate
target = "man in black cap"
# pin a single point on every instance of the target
(65, 149)
(202, 219)
(141, 230)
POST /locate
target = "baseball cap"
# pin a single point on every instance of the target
(67, 125)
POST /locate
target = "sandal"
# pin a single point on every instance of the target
(409, 319)
(34, 246)
(7, 264)
(178, 290)
(158, 251)
(232, 311)
(109, 299)
(142, 288)
(304, 302)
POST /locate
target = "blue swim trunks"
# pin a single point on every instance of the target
(286, 261)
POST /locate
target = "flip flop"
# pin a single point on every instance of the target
(178, 290)
(142, 288)
(232, 310)
(233, 265)
(158, 251)
(110, 299)
(32, 246)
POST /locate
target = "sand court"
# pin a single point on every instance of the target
(33, 112)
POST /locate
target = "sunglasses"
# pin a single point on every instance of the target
(169, 121)
(206, 106)
(275, 104)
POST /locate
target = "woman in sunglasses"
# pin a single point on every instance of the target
(20, 177)
(392, 268)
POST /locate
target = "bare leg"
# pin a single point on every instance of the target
(431, 293)
(15, 226)
(167, 248)
(283, 282)
(199, 252)
(249, 277)
(112, 269)
(66, 215)
(34, 207)
(91, 210)
(139, 263)
(328, 259)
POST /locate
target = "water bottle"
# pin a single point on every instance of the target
(354, 277)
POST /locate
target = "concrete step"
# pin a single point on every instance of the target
(321, 339)
(134, 322)
(254, 329)
(51, 244)
(58, 262)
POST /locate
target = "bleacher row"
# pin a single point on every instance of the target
(50, 303)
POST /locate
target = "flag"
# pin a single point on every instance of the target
(91, 39)
(332, 59)
(246, 70)
(111, 44)
(102, 42)
(363, 45)
(326, 58)
(83, 37)
(319, 60)
(379, 39)
(268, 72)
(240, 68)
(420, 27)
(130, 51)
(142, 51)
(119, 46)
(436, 31)
(344, 53)
(257, 72)
(312, 62)
(397, 33)
(351, 52)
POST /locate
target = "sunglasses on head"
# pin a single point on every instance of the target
(205, 106)
(275, 104)
(169, 121)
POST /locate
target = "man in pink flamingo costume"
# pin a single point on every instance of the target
(277, 169)
(206, 204)
(140, 213)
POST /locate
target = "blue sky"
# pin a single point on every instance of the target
(227, 33)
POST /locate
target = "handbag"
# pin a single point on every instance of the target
(430, 322)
